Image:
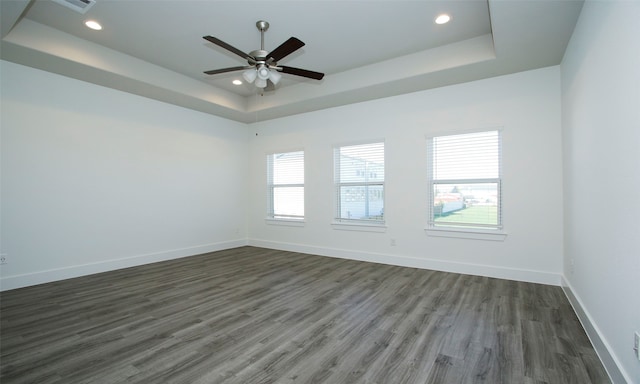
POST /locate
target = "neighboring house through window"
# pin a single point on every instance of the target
(359, 183)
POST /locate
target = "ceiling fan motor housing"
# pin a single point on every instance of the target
(260, 55)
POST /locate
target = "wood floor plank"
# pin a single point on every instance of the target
(253, 315)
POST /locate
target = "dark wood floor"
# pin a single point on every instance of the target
(251, 315)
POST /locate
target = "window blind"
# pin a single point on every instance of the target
(285, 180)
(465, 180)
(359, 179)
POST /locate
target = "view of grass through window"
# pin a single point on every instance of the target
(466, 204)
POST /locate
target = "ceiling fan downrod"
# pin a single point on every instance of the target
(262, 26)
(260, 54)
(262, 70)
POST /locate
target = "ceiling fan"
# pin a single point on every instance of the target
(263, 68)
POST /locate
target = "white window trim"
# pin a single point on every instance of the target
(287, 222)
(359, 225)
(466, 233)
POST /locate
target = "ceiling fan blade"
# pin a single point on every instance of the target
(285, 49)
(223, 70)
(229, 47)
(302, 72)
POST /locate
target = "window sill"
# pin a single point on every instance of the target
(285, 222)
(466, 234)
(359, 226)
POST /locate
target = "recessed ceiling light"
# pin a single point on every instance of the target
(443, 19)
(237, 82)
(93, 25)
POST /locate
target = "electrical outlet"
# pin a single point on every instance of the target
(3, 259)
(392, 242)
(636, 344)
(572, 266)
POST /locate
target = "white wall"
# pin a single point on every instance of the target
(95, 179)
(525, 105)
(601, 146)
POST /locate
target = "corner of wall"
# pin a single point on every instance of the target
(603, 349)
(41, 277)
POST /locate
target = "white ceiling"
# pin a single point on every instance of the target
(367, 49)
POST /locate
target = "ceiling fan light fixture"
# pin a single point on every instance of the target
(250, 75)
(263, 72)
(261, 83)
(274, 76)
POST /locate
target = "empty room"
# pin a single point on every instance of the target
(319, 191)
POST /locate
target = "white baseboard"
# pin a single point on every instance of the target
(600, 345)
(41, 277)
(529, 276)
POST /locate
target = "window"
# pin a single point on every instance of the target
(285, 181)
(359, 180)
(464, 181)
